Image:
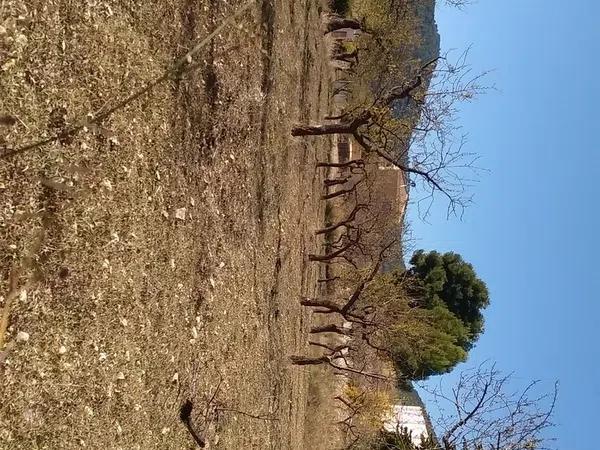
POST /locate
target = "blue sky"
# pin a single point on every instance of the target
(532, 233)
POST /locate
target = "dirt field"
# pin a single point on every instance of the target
(164, 252)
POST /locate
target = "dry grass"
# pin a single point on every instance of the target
(172, 239)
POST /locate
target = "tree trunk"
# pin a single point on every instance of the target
(347, 127)
(330, 228)
(350, 57)
(346, 222)
(337, 22)
(332, 328)
(321, 130)
(327, 280)
(306, 361)
(333, 350)
(352, 163)
(339, 193)
(330, 256)
(328, 304)
(335, 181)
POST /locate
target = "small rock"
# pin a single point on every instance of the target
(22, 336)
(62, 350)
(175, 378)
(21, 39)
(120, 376)
(107, 184)
(180, 213)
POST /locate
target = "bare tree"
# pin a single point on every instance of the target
(482, 411)
(365, 224)
(460, 4)
(411, 126)
(336, 358)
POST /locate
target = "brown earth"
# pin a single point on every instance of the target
(163, 253)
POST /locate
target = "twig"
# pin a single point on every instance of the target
(212, 399)
(13, 293)
(252, 416)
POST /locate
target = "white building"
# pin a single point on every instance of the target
(410, 417)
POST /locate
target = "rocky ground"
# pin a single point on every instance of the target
(161, 255)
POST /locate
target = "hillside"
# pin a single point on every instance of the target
(160, 253)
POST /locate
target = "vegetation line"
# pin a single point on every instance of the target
(180, 66)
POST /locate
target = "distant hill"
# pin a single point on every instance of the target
(427, 50)
(430, 38)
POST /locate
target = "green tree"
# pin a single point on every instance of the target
(412, 326)
(446, 279)
(428, 342)
(420, 341)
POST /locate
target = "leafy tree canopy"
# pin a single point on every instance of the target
(428, 342)
(446, 279)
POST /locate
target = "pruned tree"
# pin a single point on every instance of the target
(419, 342)
(411, 127)
(346, 309)
(336, 359)
(364, 224)
(334, 22)
(346, 222)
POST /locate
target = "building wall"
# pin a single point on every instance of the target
(413, 418)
